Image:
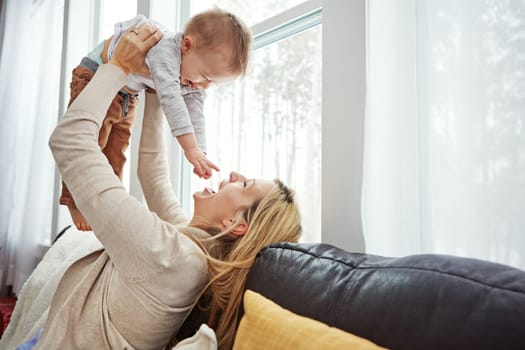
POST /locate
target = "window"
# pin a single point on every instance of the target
(269, 123)
(251, 13)
(265, 125)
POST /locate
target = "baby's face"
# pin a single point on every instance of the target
(200, 69)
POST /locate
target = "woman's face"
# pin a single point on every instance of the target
(218, 208)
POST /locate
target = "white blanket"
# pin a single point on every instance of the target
(204, 339)
(34, 299)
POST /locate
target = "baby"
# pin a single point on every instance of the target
(213, 48)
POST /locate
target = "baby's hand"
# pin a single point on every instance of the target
(202, 166)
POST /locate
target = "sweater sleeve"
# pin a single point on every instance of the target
(136, 239)
(164, 66)
(152, 169)
(195, 103)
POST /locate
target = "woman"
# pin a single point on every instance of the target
(136, 291)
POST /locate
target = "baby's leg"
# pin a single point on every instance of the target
(118, 139)
(78, 219)
(76, 216)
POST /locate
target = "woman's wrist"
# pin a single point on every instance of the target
(119, 65)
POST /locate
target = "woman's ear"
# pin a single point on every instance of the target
(240, 228)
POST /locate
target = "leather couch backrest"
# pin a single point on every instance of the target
(414, 302)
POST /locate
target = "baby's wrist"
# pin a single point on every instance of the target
(192, 150)
(194, 153)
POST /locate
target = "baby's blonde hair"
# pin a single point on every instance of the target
(216, 27)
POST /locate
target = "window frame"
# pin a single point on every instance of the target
(344, 60)
(281, 26)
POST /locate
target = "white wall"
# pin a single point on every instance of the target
(344, 70)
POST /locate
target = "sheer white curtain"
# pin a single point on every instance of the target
(29, 88)
(445, 137)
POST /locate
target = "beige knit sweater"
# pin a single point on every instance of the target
(135, 292)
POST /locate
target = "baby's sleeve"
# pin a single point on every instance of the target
(164, 63)
(195, 104)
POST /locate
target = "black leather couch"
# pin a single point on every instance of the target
(421, 302)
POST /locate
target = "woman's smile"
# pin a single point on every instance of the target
(209, 191)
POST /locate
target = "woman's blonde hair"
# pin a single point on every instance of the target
(214, 28)
(275, 218)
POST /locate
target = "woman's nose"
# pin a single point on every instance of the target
(232, 178)
(235, 176)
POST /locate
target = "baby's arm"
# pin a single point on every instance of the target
(194, 100)
(202, 166)
(165, 76)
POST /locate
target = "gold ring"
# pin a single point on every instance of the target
(134, 31)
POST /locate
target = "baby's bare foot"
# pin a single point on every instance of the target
(79, 220)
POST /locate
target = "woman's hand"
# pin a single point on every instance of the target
(130, 53)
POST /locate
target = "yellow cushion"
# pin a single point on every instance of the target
(266, 325)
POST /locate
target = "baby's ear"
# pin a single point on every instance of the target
(187, 43)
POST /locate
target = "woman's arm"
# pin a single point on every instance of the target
(74, 142)
(153, 165)
(137, 241)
